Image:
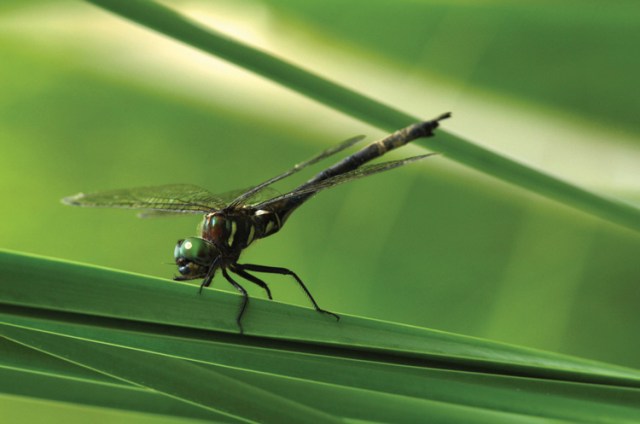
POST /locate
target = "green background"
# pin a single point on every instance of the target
(90, 102)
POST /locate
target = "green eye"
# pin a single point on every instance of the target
(194, 249)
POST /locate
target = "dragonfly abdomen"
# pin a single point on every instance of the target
(266, 223)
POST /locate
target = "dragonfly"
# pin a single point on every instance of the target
(234, 220)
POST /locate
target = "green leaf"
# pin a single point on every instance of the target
(175, 378)
(171, 23)
(143, 339)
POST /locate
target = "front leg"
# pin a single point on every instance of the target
(211, 272)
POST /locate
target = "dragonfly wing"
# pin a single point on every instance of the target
(173, 198)
(363, 171)
(250, 195)
(265, 193)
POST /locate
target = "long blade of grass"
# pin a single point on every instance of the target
(50, 384)
(175, 378)
(56, 285)
(373, 384)
(20, 409)
(412, 372)
(173, 24)
(346, 401)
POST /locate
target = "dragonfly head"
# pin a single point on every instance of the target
(194, 256)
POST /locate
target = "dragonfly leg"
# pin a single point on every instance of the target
(206, 282)
(209, 276)
(245, 298)
(285, 271)
(244, 274)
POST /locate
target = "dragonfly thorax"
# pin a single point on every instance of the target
(222, 229)
(233, 231)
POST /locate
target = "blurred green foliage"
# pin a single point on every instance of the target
(431, 245)
(576, 55)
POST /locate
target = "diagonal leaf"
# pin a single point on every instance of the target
(178, 379)
(34, 410)
(396, 389)
(60, 388)
(67, 287)
(349, 402)
(370, 366)
(171, 23)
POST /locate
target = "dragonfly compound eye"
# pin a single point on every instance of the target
(196, 250)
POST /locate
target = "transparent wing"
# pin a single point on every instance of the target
(166, 199)
(249, 196)
(262, 195)
(363, 171)
(187, 198)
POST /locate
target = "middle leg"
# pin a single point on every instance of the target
(237, 268)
